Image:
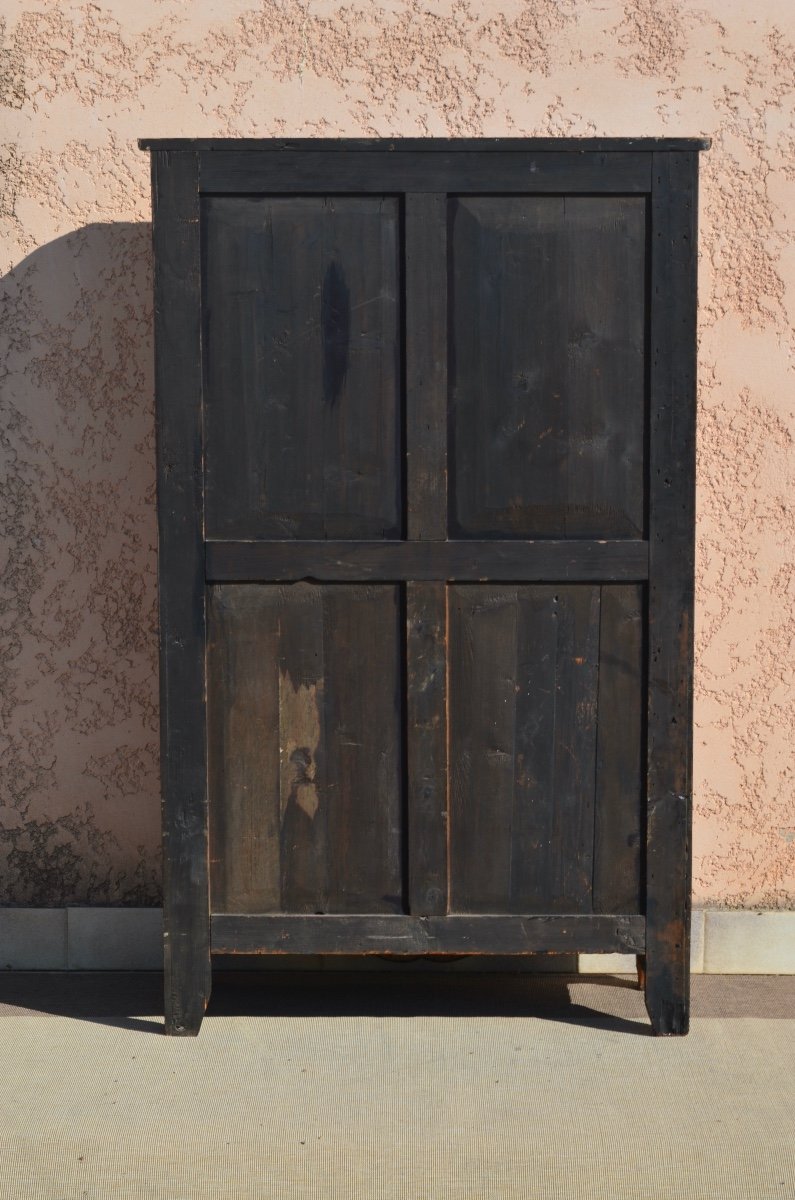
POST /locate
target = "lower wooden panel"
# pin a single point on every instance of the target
(305, 748)
(237, 933)
(546, 789)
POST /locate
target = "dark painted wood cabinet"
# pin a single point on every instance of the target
(425, 419)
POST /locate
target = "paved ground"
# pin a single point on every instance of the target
(332, 1086)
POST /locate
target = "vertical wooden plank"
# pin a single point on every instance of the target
(619, 767)
(533, 867)
(243, 747)
(303, 791)
(577, 672)
(602, 343)
(426, 729)
(671, 566)
(556, 681)
(178, 393)
(426, 365)
(363, 753)
(509, 436)
(483, 631)
(425, 257)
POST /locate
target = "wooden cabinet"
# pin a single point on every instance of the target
(425, 418)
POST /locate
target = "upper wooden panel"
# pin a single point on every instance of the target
(302, 367)
(547, 323)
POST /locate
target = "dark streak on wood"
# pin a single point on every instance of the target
(178, 389)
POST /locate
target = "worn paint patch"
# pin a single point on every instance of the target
(299, 742)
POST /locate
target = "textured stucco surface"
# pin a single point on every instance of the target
(79, 83)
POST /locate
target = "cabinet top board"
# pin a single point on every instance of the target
(535, 145)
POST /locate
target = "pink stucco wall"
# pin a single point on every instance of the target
(79, 82)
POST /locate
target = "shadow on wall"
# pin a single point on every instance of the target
(79, 790)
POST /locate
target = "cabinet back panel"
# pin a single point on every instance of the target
(305, 748)
(546, 792)
(302, 364)
(547, 324)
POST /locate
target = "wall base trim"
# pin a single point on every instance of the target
(724, 942)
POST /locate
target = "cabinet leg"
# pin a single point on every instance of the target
(667, 980)
(187, 982)
(640, 963)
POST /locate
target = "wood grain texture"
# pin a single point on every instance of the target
(426, 365)
(302, 363)
(362, 171)
(178, 385)
(236, 933)
(523, 716)
(468, 559)
(547, 373)
(620, 769)
(426, 736)
(671, 572)
(306, 749)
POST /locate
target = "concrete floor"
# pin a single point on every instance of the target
(414, 1086)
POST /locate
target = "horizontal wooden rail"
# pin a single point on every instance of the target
(504, 561)
(234, 933)
(222, 171)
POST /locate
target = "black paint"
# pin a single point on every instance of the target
(426, 457)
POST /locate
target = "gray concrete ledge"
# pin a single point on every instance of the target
(724, 942)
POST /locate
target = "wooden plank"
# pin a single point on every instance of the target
(364, 748)
(303, 367)
(620, 780)
(603, 350)
(482, 667)
(243, 707)
(547, 370)
(576, 685)
(538, 145)
(514, 560)
(556, 718)
(532, 867)
(305, 749)
(523, 685)
(395, 935)
(426, 365)
(231, 171)
(426, 734)
(178, 389)
(671, 567)
(306, 794)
